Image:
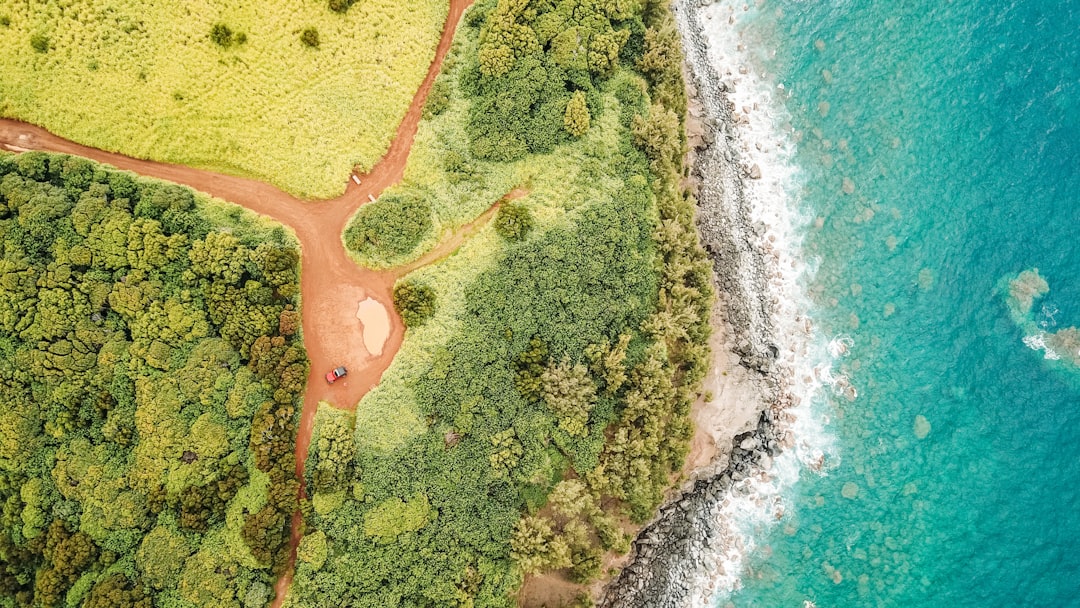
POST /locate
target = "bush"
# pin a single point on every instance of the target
(415, 302)
(518, 113)
(310, 38)
(438, 98)
(389, 228)
(513, 222)
(5, 21)
(340, 6)
(40, 42)
(221, 35)
(576, 120)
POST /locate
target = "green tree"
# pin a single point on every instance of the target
(415, 302)
(606, 361)
(658, 136)
(389, 228)
(334, 450)
(139, 420)
(310, 37)
(507, 454)
(40, 43)
(513, 222)
(576, 120)
(570, 392)
(312, 549)
(394, 517)
(161, 555)
(221, 35)
(536, 547)
(116, 591)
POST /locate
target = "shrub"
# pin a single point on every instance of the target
(40, 42)
(221, 35)
(389, 228)
(415, 302)
(438, 98)
(340, 6)
(518, 113)
(5, 20)
(310, 38)
(394, 517)
(513, 222)
(576, 120)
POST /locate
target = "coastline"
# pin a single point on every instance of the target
(676, 558)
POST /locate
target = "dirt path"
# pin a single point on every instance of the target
(331, 285)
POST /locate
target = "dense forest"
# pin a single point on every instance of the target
(150, 375)
(541, 399)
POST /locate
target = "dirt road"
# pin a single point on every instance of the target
(331, 284)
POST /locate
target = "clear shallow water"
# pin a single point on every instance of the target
(957, 127)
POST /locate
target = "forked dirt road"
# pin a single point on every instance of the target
(331, 284)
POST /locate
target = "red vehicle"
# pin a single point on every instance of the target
(336, 373)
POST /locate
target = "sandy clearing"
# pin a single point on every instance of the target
(375, 325)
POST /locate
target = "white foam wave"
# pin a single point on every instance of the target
(1038, 342)
(765, 139)
(1049, 316)
(840, 346)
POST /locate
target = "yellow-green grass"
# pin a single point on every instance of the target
(145, 79)
(573, 174)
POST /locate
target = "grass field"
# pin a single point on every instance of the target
(147, 80)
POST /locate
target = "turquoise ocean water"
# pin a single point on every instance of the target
(957, 125)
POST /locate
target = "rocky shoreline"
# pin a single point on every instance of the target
(674, 556)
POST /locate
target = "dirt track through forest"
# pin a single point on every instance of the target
(331, 284)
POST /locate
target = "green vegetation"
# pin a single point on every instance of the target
(415, 302)
(513, 222)
(149, 363)
(382, 234)
(222, 85)
(340, 6)
(223, 36)
(149, 378)
(310, 37)
(576, 119)
(556, 373)
(40, 43)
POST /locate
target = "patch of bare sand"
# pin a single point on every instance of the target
(547, 591)
(734, 403)
(376, 323)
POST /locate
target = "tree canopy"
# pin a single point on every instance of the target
(146, 397)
